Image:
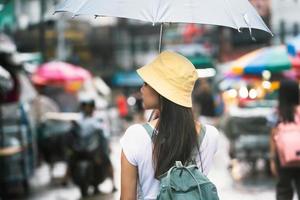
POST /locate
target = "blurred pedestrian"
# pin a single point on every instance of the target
(42, 104)
(123, 110)
(121, 101)
(205, 102)
(82, 132)
(90, 123)
(288, 98)
(168, 85)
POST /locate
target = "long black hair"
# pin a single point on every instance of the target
(288, 98)
(176, 138)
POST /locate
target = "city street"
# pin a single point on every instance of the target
(253, 188)
(74, 74)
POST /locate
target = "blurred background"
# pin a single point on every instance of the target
(60, 74)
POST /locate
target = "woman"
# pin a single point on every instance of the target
(169, 81)
(288, 98)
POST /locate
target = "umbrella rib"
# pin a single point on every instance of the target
(79, 7)
(157, 10)
(229, 13)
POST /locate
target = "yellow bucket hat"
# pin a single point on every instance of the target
(172, 75)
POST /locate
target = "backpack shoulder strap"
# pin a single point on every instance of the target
(149, 129)
(202, 133)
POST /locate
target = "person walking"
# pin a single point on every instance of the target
(288, 113)
(168, 85)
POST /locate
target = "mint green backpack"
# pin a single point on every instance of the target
(185, 182)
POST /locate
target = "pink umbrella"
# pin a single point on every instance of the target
(59, 73)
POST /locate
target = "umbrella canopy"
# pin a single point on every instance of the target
(274, 59)
(59, 73)
(231, 13)
(293, 46)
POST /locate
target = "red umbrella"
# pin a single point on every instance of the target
(59, 73)
(296, 62)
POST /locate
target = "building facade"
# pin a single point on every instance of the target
(285, 20)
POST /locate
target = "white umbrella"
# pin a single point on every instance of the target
(5, 80)
(231, 13)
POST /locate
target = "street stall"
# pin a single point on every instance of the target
(18, 147)
(17, 141)
(256, 75)
(249, 90)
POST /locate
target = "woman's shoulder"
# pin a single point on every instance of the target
(133, 143)
(211, 139)
(135, 132)
(211, 135)
(134, 129)
(211, 130)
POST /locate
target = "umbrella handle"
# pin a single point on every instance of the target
(160, 37)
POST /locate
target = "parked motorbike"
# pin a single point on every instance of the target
(52, 136)
(89, 163)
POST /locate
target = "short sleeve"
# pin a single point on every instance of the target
(213, 138)
(208, 148)
(131, 142)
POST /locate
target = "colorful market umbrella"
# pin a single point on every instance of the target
(59, 73)
(293, 47)
(274, 59)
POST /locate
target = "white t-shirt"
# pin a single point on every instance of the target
(137, 147)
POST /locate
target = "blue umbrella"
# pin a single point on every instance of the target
(293, 46)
